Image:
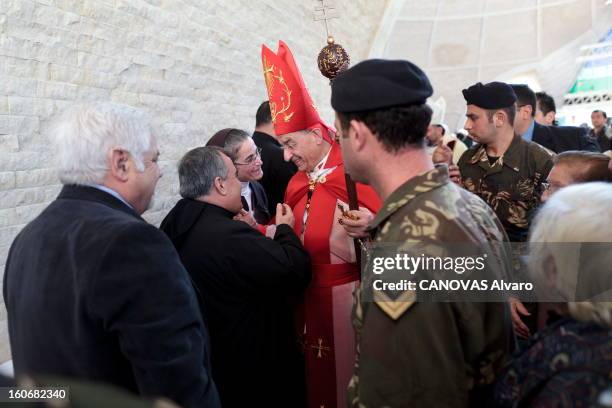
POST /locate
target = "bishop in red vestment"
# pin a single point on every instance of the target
(316, 193)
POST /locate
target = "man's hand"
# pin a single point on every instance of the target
(454, 174)
(245, 216)
(517, 309)
(442, 154)
(284, 215)
(355, 222)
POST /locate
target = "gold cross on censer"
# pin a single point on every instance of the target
(326, 11)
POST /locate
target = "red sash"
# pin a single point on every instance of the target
(316, 313)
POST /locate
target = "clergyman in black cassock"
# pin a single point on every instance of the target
(245, 280)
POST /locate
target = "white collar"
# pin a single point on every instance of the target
(111, 192)
(245, 188)
(320, 170)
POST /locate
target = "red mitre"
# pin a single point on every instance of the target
(291, 106)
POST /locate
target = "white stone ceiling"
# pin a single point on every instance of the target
(460, 42)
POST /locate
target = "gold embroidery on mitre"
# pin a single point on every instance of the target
(395, 308)
(270, 75)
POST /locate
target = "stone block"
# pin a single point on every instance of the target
(11, 124)
(18, 86)
(36, 178)
(7, 180)
(9, 143)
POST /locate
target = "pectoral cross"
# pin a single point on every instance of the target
(320, 348)
(325, 12)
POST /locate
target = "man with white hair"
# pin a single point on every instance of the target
(93, 291)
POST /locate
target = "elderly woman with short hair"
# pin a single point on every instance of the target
(568, 363)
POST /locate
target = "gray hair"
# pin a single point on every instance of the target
(85, 134)
(198, 169)
(233, 142)
(576, 214)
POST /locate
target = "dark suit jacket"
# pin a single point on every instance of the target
(277, 172)
(602, 139)
(562, 138)
(96, 293)
(244, 279)
(259, 203)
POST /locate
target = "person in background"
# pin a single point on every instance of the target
(556, 139)
(246, 156)
(439, 135)
(276, 171)
(505, 170)
(601, 132)
(576, 167)
(545, 109)
(95, 293)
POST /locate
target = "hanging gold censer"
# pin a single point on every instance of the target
(333, 58)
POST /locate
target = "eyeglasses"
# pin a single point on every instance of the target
(250, 159)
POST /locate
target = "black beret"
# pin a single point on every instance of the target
(494, 95)
(377, 84)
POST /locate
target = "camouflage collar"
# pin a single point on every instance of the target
(510, 158)
(408, 191)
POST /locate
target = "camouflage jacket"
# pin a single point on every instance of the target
(413, 354)
(512, 186)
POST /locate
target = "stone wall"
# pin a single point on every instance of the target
(194, 64)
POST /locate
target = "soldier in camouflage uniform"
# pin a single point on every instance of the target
(413, 354)
(504, 170)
